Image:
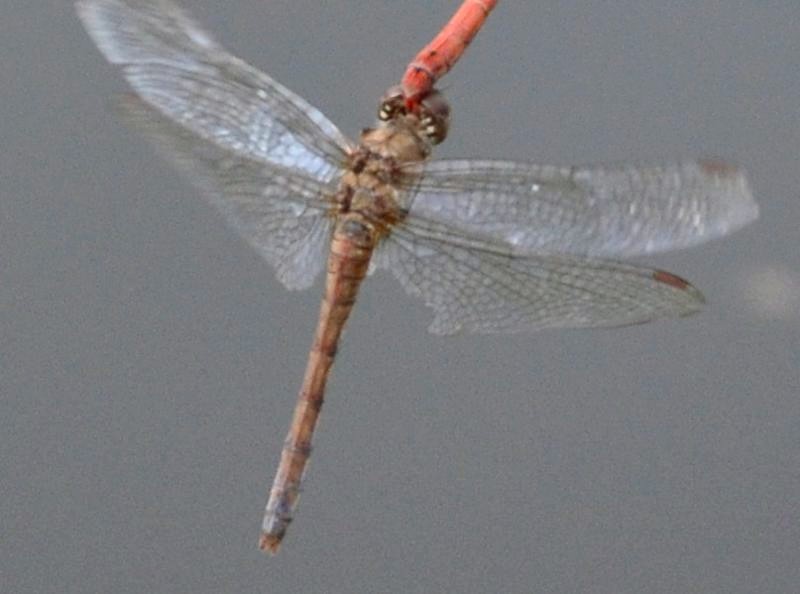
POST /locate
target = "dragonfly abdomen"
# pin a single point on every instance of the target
(348, 261)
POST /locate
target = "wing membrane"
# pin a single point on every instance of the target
(484, 289)
(593, 211)
(177, 67)
(281, 212)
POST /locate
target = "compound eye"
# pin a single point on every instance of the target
(392, 104)
(434, 111)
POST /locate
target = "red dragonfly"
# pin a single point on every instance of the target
(436, 58)
(490, 246)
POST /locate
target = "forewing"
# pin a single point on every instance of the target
(591, 211)
(281, 212)
(482, 288)
(177, 67)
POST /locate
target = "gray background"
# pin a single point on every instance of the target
(150, 360)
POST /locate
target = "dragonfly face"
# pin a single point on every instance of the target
(432, 112)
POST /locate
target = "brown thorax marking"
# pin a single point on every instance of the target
(367, 190)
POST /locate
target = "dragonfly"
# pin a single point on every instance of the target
(440, 55)
(489, 246)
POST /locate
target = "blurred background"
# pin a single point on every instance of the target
(150, 361)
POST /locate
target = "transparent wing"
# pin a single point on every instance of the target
(177, 67)
(594, 211)
(281, 212)
(484, 288)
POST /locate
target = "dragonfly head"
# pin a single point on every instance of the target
(432, 112)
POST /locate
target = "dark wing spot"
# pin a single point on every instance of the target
(718, 168)
(667, 278)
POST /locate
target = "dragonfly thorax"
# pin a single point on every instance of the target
(368, 196)
(401, 140)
